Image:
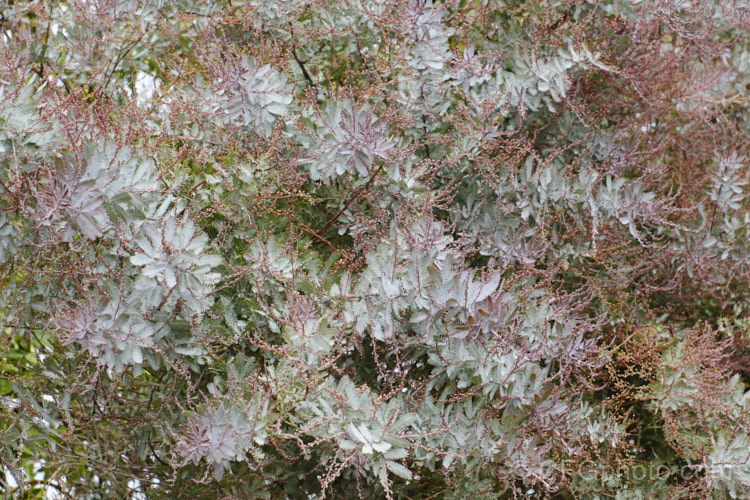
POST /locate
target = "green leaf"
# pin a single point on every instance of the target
(398, 469)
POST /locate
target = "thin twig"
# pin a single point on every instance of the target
(313, 233)
(349, 202)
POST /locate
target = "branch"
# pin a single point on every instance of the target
(349, 202)
(300, 63)
(313, 233)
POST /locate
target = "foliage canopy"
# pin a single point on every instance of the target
(374, 248)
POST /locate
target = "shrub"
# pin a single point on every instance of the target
(364, 249)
